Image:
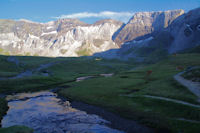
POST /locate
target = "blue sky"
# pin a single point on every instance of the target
(86, 10)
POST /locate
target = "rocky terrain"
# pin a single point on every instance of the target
(174, 36)
(144, 34)
(186, 31)
(65, 37)
(146, 23)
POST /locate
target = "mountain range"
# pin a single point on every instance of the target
(165, 36)
(145, 33)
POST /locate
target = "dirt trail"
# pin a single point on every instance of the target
(194, 87)
(173, 100)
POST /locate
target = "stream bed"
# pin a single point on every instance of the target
(46, 113)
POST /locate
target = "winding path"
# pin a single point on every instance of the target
(167, 99)
(173, 100)
(194, 87)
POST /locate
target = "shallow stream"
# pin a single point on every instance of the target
(46, 113)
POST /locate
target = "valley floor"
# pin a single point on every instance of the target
(148, 93)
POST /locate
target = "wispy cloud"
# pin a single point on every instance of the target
(122, 16)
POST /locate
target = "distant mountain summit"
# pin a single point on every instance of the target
(145, 23)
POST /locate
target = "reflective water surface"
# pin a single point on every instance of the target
(46, 113)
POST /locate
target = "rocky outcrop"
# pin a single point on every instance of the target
(145, 23)
(65, 37)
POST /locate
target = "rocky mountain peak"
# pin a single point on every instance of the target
(151, 16)
(143, 23)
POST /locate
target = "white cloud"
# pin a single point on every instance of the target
(122, 16)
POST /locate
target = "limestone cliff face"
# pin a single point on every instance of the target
(66, 37)
(144, 23)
